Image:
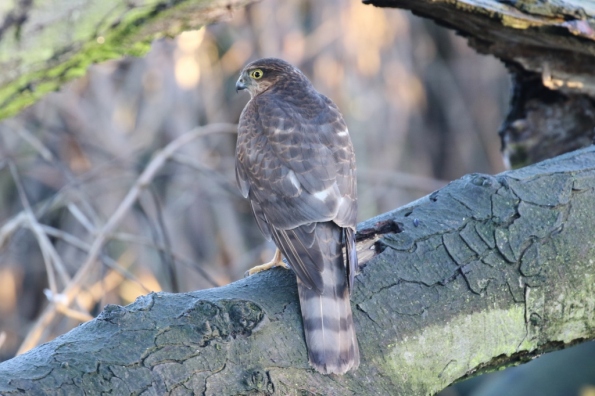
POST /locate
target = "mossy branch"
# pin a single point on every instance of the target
(45, 44)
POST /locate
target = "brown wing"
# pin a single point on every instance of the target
(296, 163)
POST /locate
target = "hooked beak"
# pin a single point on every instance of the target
(240, 84)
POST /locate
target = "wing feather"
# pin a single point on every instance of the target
(301, 263)
(295, 162)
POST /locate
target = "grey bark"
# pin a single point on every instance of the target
(487, 272)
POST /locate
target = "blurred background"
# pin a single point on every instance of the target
(422, 109)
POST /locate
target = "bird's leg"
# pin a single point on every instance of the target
(277, 261)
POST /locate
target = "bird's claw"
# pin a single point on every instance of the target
(264, 267)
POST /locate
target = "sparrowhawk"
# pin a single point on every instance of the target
(296, 164)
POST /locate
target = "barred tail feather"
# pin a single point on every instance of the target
(351, 253)
(328, 322)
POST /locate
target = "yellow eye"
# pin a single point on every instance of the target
(256, 74)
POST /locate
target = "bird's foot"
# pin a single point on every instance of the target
(277, 261)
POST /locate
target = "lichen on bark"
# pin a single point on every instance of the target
(45, 44)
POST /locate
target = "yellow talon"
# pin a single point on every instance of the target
(277, 261)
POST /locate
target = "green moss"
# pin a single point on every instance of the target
(452, 351)
(129, 36)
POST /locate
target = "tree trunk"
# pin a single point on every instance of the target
(484, 273)
(44, 44)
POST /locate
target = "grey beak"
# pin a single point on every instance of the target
(240, 85)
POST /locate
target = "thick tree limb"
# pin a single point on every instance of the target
(44, 44)
(484, 273)
(555, 39)
(549, 47)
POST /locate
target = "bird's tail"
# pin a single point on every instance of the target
(328, 322)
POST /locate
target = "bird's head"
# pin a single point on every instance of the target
(260, 75)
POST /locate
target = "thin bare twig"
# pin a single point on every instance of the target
(159, 159)
(48, 156)
(168, 259)
(124, 237)
(19, 220)
(11, 226)
(82, 245)
(37, 144)
(80, 216)
(213, 174)
(156, 231)
(74, 183)
(50, 256)
(73, 314)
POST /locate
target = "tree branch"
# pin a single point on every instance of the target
(549, 48)
(42, 47)
(484, 273)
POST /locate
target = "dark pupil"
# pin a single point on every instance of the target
(257, 74)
